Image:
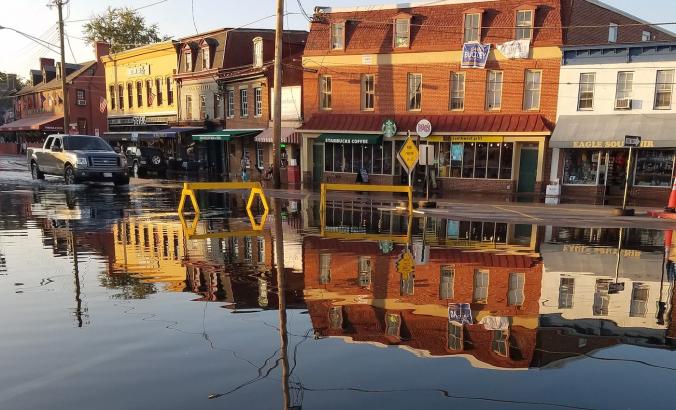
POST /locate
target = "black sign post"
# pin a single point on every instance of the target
(630, 141)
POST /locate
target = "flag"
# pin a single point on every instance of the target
(103, 104)
(151, 98)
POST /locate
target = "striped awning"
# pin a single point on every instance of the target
(289, 136)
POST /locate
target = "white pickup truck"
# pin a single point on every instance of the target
(78, 158)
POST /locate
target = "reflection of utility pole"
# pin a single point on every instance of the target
(281, 290)
(76, 273)
(619, 255)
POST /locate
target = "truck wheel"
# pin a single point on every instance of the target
(69, 175)
(35, 171)
(124, 180)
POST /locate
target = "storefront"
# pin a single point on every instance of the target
(289, 152)
(30, 131)
(228, 152)
(591, 161)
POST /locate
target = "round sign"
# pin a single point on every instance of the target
(389, 128)
(423, 128)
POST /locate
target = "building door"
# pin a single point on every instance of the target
(617, 172)
(317, 163)
(528, 166)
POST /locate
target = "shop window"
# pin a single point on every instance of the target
(139, 94)
(230, 95)
(480, 160)
(455, 336)
(367, 92)
(524, 25)
(111, 93)
(203, 107)
(457, 91)
(337, 36)
(515, 294)
(188, 107)
(364, 271)
(472, 28)
(480, 292)
(158, 87)
(654, 167)
(601, 297)
(387, 158)
(625, 80)
(663, 89)
(613, 31)
(324, 268)
(357, 158)
(468, 155)
(325, 92)
(170, 91)
(258, 102)
(243, 102)
(130, 94)
(494, 91)
(120, 96)
(639, 300)
(402, 32)
(580, 166)
(531, 97)
(499, 342)
(414, 92)
(493, 161)
(377, 162)
(585, 97)
(446, 282)
(506, 159)
(566, 293)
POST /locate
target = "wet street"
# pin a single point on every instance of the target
(107, 301)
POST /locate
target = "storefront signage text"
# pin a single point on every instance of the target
(138, 70)
(463, 138)
(590, 250)
(609, 144)
(347, 140)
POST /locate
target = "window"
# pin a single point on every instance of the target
(206, 59)
(337, 36)
(130, 94)
(494, 91)
(402, 31)
(601, 297)
(580, 166)
(336, 317)
(218, 106)
(367, 92)
(524, 24)
(258, 52)
(188, 61)
(499, 342)
(258, 102)
(654, 167)
(149, 93)
(188, 107)
(457, 91)
(230, 95)
(261, 249)
(625, 81)
(515, 294)
(646, 36)
(170, 91)
(243, 102)
(585, 97)
(158, 87)
(259, 157)
(324, 268)
(455, 336)
(414, 91)
(325, 92)
(491, 160)
(80, 97)
(377, 159)
(120, 96)
(639, 300)
(472, 28)
(613, 30)
(446, 283)
(663, 89)
(364, 271)
(392, 324)
(480, 294)
(82, 126)
(139, 94)
(203, 107)
(566, 292)
(531, 96)
(111, 93)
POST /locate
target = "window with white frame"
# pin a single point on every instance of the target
(364, 271)
(524, 24)
(639, 300)
(457, 91)
(367, 92)
(585, 96)
(203, 107)
(515, 295)
(613, 30)
(499, 343)
(258, 101)
(414, 92)
(625, 80)
(480, 293)
(188, 61)
(663, 89)
(531, 92)
(206, 59)
(325, 92)
(230, 95)
(324, 268)
(259, 157)
(170, 91)
(260, 242)
(402, 32)
(472, 28)
(337, 36)
(139, 94)
(218, 106)
(494, 90)
(566, 292)
(447, 275)
(646, 36)
(130, 94)
(258, 52)
(243, 102)
(601, 297)
(455, 336)
(159, 86)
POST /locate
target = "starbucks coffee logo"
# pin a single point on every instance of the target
(389, 128)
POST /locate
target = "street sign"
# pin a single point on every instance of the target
(632, 141)
(426, 154)
(423, 128)
(389, 128)
(405, 264)
(408, 155)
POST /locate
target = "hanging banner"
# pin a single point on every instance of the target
(515, 49)
(475, 55)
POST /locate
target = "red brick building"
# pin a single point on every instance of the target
(490, 125)
(39, 106)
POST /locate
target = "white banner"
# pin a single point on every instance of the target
(515, 49)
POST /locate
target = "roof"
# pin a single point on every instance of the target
(321, 9)
(56, 82)
(133, 52)
(455, 123)
(630, 16)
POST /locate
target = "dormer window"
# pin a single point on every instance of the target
(188, 61)
(337, 36)
(402, 31)
(524, 24)
(258, 52)
(472, 27)
(206, 58)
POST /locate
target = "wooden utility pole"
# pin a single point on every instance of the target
(277, 114)
(66, 117)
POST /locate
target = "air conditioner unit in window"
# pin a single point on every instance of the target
(623, 104)
(81, 102)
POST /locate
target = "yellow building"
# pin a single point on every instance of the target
(140, 92)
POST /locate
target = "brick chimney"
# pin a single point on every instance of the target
(46, 62)
(101, 48)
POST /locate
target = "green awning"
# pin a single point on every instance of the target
(371, 139)
(224, 135)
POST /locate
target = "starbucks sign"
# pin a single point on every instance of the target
(389, 128)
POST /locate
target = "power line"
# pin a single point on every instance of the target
(32, 38)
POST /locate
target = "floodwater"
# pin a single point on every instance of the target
(107, 302)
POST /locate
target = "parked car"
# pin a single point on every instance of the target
(78, 158)
(142, 160)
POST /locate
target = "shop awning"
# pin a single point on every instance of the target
(608, 131)
(50, 122)
(372, 139)
(224, 135)
(289, 136)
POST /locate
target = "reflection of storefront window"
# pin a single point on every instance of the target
(324, 268)
(566, 293)
(446, 282)
(601, 297)
(639, 300)
(455, 336)
(477, 231)
(499, 342)
(580, 166)
(336, 317)
(654, 167)
(364, 271)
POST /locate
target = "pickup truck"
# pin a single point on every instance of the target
(78, 158)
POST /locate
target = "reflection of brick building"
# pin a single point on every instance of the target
(352, 289)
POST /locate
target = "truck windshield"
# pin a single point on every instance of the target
(73, 143)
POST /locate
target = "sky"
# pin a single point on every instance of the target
(175, 19)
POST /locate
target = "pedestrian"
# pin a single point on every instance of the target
(245, 163)
(24, 147)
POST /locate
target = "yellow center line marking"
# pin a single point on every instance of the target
(517, 212)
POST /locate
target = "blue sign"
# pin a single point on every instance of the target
(475, 55)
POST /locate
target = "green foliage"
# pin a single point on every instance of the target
(123, 28)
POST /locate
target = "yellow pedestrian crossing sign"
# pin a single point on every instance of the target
(408, 155)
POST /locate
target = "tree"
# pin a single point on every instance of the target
(122, 28)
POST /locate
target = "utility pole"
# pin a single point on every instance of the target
(66, 117)
(277, 114)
